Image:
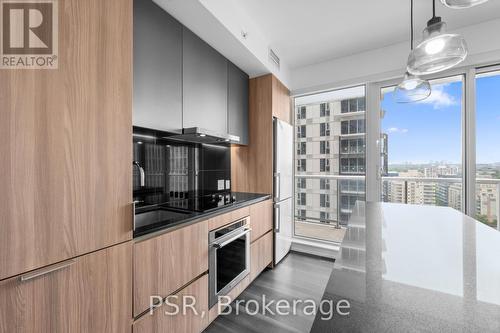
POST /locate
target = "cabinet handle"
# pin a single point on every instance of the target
(46, 270)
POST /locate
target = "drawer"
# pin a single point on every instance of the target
(158, 321)
(261, 218)
(90, 293)
(165, 263)
(221, 220)
(261, 254)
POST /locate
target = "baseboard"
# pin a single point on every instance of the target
(328, 251)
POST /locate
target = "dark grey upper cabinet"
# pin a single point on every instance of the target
(157, 68)
(204, 85)
(237, 103)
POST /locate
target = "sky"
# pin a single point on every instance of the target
(430, 130)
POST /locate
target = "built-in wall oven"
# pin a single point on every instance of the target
(229, 255)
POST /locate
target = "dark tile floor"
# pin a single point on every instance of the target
(297, 277)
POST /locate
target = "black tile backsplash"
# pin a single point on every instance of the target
(175, 169)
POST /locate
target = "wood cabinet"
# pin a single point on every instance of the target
(282, 103)
(237, 103)
(204, 85)
(261, 254)
(65, 139)
(232, 216)
(157, 68)
(261, 218)
(165, 263)
(252, 165)
(90, 293)
(191, 322)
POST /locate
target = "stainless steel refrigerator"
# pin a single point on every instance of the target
(283, 188)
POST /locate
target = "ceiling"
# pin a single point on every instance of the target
(305, 32)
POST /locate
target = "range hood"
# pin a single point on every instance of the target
(201, 135)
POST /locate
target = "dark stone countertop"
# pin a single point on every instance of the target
(243, 199)
(409, 268)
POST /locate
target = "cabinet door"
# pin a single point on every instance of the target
(261, 218)
(281, 105)
(204, 85)
(157, 68)
(165, 263)
(261, 254)
(237, 103)
(190, 322)
(65, 142)
(88, 294)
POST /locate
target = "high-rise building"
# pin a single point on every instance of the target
(486, 199)
(330, 140)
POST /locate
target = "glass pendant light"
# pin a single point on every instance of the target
(413, 88)
(460, 4)
(438, 51)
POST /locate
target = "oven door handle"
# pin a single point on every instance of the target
(220, 245)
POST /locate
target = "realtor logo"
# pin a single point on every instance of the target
(29, 34)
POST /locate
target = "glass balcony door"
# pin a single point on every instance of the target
(330, 163)
(487, 107)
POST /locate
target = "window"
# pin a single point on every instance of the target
(353, 105)
(301, 183)
(324, 129)
(301, 199)
(301, 131)
(361, 104)
(324, 147)
(344, 165)
(301, 112)
(324, 200)
(354, 126)
(487, 148)
(324, 109)
(423, 141)
(361, 126)
(325, 158)
(324, 216)
(344, 127)
(301, 148)
(344, 106)
(301, 165)
(324, 165)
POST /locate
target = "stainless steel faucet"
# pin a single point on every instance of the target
(141, 172)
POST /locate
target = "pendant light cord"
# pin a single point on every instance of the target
(433, 8)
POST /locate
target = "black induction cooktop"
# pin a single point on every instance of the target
(159, 213)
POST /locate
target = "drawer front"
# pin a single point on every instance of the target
(188, 323)
(261, 219)
(261, 254)
(165, 263)
(221, 220)
(64, 297)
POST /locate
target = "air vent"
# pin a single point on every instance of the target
(274, 58)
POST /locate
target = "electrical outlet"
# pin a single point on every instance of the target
(220, 184)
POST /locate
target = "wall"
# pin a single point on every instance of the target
(175, 169)
(389, 62)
